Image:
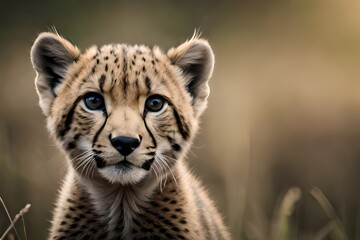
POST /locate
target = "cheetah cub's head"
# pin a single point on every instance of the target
(122, 113)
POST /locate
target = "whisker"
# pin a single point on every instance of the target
(80, 161)
(166, 164)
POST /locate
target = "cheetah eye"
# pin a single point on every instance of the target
(94, 101)
(155, 103)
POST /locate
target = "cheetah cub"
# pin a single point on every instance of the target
(126, 116)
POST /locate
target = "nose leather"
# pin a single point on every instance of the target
(125, 145)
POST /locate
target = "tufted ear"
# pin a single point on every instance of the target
(196, 60)
(51, 56)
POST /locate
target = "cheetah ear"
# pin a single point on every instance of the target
(195, 58)
(51, 56)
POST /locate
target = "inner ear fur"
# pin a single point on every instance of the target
(51, 56)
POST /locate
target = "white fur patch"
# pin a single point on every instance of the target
(84, 144)
(126, 176)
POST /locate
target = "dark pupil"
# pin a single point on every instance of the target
(155, 104)
(94, 101)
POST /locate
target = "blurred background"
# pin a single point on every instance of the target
(279, 148)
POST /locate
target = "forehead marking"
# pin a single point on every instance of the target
(102, 82)
(125, 76)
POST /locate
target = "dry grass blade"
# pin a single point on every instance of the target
(11, 221)
(281, 227)
(23, 222)
(325, 230)
(16, 218)
(338, 232)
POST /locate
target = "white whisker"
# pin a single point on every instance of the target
(165, 162)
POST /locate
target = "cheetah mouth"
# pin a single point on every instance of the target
(124, 164)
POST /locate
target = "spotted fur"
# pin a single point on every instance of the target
(149, 193)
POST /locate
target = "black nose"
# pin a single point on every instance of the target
(125, 145)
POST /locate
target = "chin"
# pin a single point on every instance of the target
(123, 175)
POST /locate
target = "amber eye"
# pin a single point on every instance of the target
(155, 103)
(94, 101)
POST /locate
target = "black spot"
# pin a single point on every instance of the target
(106, 58)
(165, 209)
(101, 82)
(97, 61)
(125, 85)
(91, 221)
(74, 225)
(77, 136)
(143, 59)
(167, 222)
(176, 229)
(81, 207)
(62, 223)
(68, 216)
(162, 230)
(144, 69)
(165, 199)
(173, 202)
(151, 153)
(147, 164)
(106, 67)
(97, 151)
(180, 236)
(154, 204)
(178, 210)
(146, 230)
(183, 221)
(176, 147)
(100, 163)
(116, 60)
(71, 145)
(152, 62)
(72, 209)
(170, 139)
(148, 84)
(174, 216)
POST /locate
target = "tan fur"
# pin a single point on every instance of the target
(154, 196)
